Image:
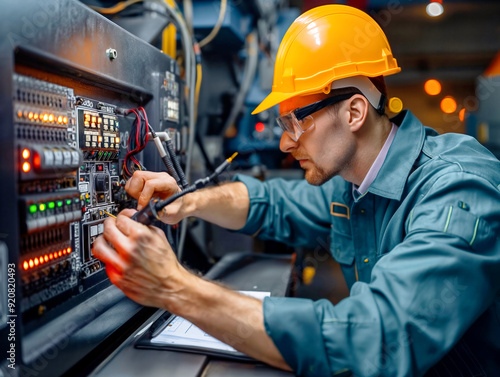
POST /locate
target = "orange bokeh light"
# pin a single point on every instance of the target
(31, 263)
(25, 265)
(432, 87)
(36, 262)
(26, 167)
(448, 105)
(26, 154)
(461, 115)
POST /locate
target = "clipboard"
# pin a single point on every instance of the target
(174, 333)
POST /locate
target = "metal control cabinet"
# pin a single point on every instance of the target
(65, 70)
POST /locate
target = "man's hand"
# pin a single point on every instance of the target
(140, 261)
(145, 185)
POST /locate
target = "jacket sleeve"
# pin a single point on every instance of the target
(289, 211)
(424, 294)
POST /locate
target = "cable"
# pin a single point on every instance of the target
(137, 141)
(213, 33)
(150, 212)
(199, 76)
(187, 6)
(115, 9)
(249, 72)
(190, 83)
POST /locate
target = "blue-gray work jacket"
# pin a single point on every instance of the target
(420, 252)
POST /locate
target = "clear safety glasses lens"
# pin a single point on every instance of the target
(289, 123)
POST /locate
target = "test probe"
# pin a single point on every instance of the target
(150, 212)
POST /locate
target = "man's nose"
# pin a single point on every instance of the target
(286, 142)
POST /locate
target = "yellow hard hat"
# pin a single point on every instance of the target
(325, 44)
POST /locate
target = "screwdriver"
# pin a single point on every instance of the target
(150, 212)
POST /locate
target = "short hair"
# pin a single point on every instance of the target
(378, 82)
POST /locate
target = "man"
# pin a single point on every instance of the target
(412, 217)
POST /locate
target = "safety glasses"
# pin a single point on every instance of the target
(298, 121)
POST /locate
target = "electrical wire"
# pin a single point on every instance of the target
(190, 83)
(213, 33)
(249, 72)
(137, 141)
(199, 77)
(116, 8)
(149, 213)
(187, 7)
(190, 73)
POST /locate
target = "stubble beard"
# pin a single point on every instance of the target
(316, 176)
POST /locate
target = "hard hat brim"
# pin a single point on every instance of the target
(271, 100)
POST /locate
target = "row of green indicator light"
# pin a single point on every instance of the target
(50, 205)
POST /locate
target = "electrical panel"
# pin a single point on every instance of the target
(49, 201)
(64, 140)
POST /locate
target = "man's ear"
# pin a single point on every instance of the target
(358, 112)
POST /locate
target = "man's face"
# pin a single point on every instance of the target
(326, 149)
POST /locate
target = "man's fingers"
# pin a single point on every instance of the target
(128, 212)
(159, 232)
(144, 185)
(108, 255)
(117, 234)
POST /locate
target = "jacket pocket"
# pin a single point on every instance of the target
(341, 248)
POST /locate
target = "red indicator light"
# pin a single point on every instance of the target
(26, 167)
(60, 253)
(41, 260)
(259, 127)
(51, 256)
(26, 265)
(64, 251)
(26, 154)
(37, 161)
(46, 258)
(69, 250)
(31, 263)
(36, 262)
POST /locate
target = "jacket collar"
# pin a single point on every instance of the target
(405, 149)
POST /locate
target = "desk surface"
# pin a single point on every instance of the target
(240, 271)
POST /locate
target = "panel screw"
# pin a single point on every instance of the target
(112, 54)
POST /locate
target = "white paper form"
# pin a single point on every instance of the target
(182, 332)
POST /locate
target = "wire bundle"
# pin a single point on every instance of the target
(137, 141)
